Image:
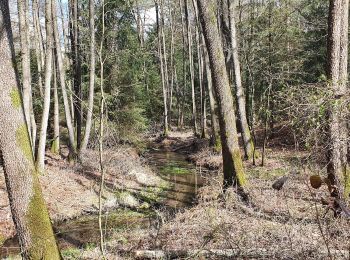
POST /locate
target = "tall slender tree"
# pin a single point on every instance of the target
(47, 86)
(232, 161)
(25, 61)
(55, 147)
(162, 68)
(92, 76)
(212, 103)
(190, 57)
(62, 81)
(240, 95)
(76, 58)
(337, 75)
(39, 50)
(28, 207)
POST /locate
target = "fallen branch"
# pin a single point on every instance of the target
(231, 253)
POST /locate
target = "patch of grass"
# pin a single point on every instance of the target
(176, 170)
(264, 173)
(71, 253)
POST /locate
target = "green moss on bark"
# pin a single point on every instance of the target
(16, 98)
(55, 146)
(240, 175)
(43, 242)
(23, 141)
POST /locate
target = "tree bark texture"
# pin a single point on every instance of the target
(92, 77)
(240, 96)
(337, 58)
(62, 77)
(232, 161)
(28, 207)
(47, 86)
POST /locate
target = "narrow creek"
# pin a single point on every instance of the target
(172, 167)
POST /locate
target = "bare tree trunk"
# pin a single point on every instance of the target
(165, 59)
(100, 139)
(203, 101)
(55, 147)
(214, 121)
(172, 64)
(337, 77)
(28, 208)
(47, 87)
(25, 61)
(62, 77)
(92, 77)
(64, 33)
(184, 71)
(67, 62)
(162, 71)
(38, 44)
(241, 101)
(75, 46)
(190, 57)
(232, 161)
(200, 70)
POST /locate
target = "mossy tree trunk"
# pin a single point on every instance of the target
(28, 207)
(232, 161)
(337, 52)
(240, 95)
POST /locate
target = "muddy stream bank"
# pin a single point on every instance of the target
(182, 183)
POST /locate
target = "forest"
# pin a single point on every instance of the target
(174, 129)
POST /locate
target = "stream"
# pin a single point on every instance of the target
(83, 231)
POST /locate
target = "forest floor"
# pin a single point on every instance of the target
(71, 191)
(290, 223)
(287, 224)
